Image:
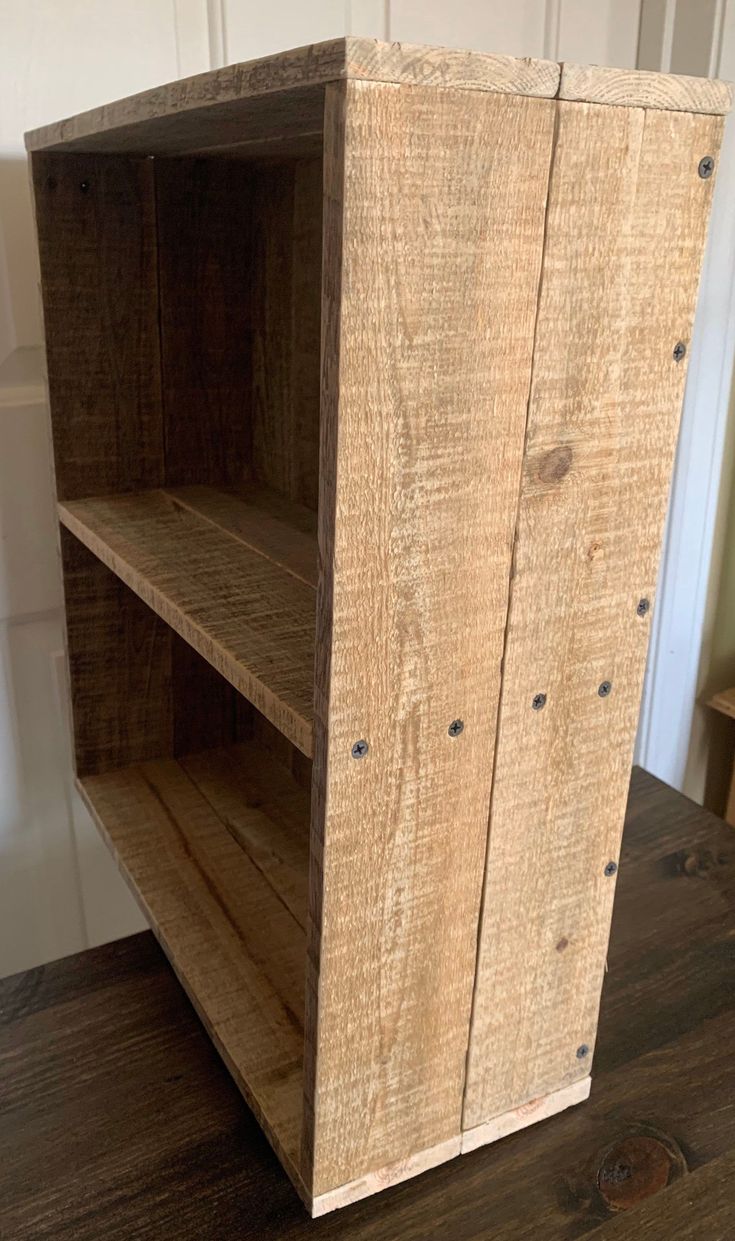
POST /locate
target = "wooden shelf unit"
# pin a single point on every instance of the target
(364, 396)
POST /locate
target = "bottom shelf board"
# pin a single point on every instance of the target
(215, 848)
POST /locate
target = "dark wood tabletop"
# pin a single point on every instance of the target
(118, 1120)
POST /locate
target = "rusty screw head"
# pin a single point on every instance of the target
(604, 688)
(538, 702)
(455, 728)
(360, 749)
(679, 350)
(644, 607)
(706, 167)
(611, 869)
(582, 1051)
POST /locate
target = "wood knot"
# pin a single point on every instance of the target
(555, 465)
(637, 1167)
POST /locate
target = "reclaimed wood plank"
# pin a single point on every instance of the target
(246, 616)
(625, 235)
(637, 88)
(432, 255)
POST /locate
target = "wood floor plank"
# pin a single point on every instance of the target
(249, 618)
(220, 912)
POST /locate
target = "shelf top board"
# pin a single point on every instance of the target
(279, 99)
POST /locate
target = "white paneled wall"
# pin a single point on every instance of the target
(58, 890)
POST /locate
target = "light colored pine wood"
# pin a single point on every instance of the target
(625, 235)
(234, 944)
(433, 241)
(383, 1178)
(637, 88)
(724, 702)
(250, 619)
(527, 1114)
(279, 97)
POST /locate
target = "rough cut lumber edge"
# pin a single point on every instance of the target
(392, 1174)
(636, 88)
(525, 1115)
(427, 346)
(313, 65)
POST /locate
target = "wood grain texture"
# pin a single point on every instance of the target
(637, 88)
(119, 667)
(91, 1044)
(246, 616)
(394, 1174)
(95, 218)
(213, 109)
(527, 1114)
(208, 894)
(433, 241)
(285, 287)
(625, 234)
(203, 215)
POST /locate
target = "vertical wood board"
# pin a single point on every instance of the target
(625, 236)
(433, 239)
(97, 243)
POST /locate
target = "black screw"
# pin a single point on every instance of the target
(455, 728)
(644, 607)
(611, 869)
(582, 1051)
(360, 749)
(604, 689)
(706, 167)
(539, 702)
(679, 350)
(51, 183)
(84, 186)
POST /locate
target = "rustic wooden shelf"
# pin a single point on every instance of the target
(216, 847)
(233, 574)
(426, 303)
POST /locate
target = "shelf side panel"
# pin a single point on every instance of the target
(625, 236)
(434, 225)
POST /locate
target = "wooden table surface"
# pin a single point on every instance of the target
(117, 1119)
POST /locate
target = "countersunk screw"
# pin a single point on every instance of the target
(84, 186)
(604, 689)
(582, 1051)
(538, 702)
(679, 350)
(455, 728)
(611, 869)
(706, 167)
(644, 606)
(360, 749)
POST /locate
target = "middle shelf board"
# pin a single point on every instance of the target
(232, 573)
(215, 847)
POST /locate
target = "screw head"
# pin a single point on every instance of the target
(604, 688)
(455, 728)
(706, 167)
(679, 350)
(538, 702)
(582, 1051)
(360, 748)
(84, 186)
(51, 183)
(611, 869)
(644, 607)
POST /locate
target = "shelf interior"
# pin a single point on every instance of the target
(233, 572)
(215, 848)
